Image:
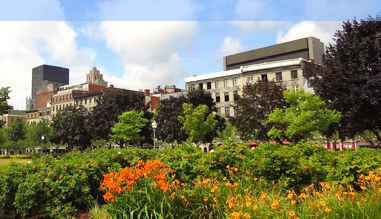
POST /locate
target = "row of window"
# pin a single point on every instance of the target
(249, 80)
(227, 111)
(226, 96)
(62, 98)
(37, 114)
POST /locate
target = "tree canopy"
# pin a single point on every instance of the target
(258, 100)
(4, 96)
(17, 130)
(197, 123)
(129, 127)
(350, 78)
(169, 128)
(306, 116)
(68, 127)
(113, 103)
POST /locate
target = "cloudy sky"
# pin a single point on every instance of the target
(140, 44)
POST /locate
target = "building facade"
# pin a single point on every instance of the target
(309, 48)
(225, 86)
(11, 116)
(44, 75)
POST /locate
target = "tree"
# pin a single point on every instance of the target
(111, 104)
(4, 96)
(305, 116)
(169, 128)
(68, 128)
(350, 78)
(17, 130)
(197, 123)
(37, 130)
(198, 97)
(258, 100)
(129, 127)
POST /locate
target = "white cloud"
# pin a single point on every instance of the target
(323, 30)
(27, 44)
(148, 50)
(230, 46)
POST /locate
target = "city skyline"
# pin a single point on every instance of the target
(142, 44)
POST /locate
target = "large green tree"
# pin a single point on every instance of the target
(69, 128)
(258, 100)
(128, 128)
(4, 96)
(305, 117)
(350, 78)
(169, 128)
(111, 104)
(37, 130)
(17, 130)
(197, 123)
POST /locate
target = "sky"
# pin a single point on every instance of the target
(140, 44)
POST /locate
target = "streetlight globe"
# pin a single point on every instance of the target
(154, 124)
(42, 137)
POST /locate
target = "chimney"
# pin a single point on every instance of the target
(146, 92)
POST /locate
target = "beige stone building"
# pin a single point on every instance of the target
(226, 85)
(11, 115)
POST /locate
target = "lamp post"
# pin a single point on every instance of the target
(42, 143)
(154, 126)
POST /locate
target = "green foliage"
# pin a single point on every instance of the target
(42, 128)
(68, 128)
(58, 188)
(349, 79)
(4, 96)
(113, 103)
(128, 128)
(258, 100)
(169, 129)
(17, 130)
(305, 117)
(196, 122)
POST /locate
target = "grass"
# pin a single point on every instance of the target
(6, 161)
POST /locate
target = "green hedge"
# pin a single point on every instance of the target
(57, 188)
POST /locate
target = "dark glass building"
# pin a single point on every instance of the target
(48, 74)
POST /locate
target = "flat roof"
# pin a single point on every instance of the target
(247, 68)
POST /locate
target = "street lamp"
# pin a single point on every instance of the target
(154, 126)
(42, 143)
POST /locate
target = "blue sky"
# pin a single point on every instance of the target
(144, 43)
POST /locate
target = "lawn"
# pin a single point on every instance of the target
(4, 162)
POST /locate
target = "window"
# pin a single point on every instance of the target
(278, 76)
(235, 95)
(235, 81)
(192, 87)
(296, 87)
(309, 84)
(216, 84)
(249, 80)
(85, 101)
(208, 85)
(53, 108)
(227, 111)
(226, 94)
(226, 83)
(218, 110)
(264, 77)
(217, 97)
(201, 86)
(294, 74)
(236, 111)
(90, 101)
